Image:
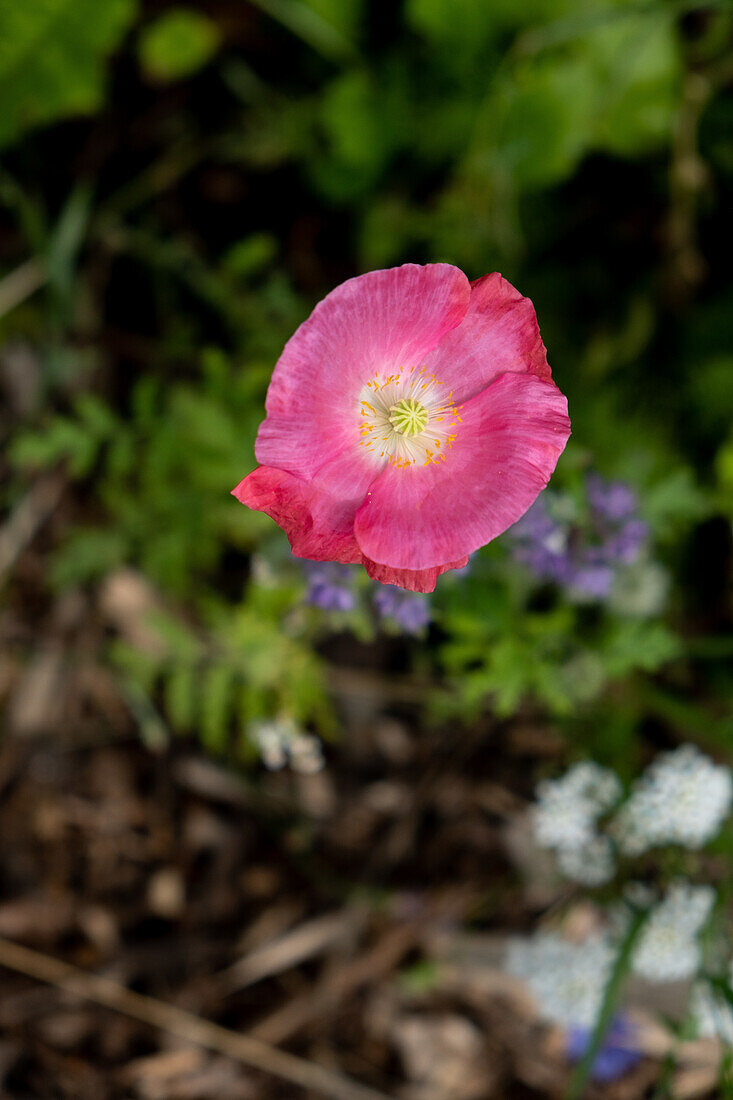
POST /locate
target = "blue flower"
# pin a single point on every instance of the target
(408, 610)
(329, 586)
(617, 1055)
(611, 500)
(582, 555)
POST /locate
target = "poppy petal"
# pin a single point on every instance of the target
(509, 441)
(415, 580)
(376, 322)
(319, 524)
(498, 334)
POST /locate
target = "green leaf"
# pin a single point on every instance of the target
(87, 554)
(343, 15)
(420, 978)
(724, 472)
(248, 256)
(637, 76)
(536, 127)
(674, 500)
(177, 44)
(359, 134)
(311, 22)
(216, 707)
(615, 87)
(464, 28)
(180, 697)
(181, 642)
(459, 27)
(634, 644)
(63, 439)
(64, 243)
(51, 58)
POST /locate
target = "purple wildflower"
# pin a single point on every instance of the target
(628, 541)
(542, 544)
(610, 500)
(408, 610)
(617, 1055)
(613, 515)
(582, 556)
(329, 586)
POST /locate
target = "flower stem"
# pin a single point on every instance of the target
(584, 1068)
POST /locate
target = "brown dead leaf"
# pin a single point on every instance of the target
(443, 1055)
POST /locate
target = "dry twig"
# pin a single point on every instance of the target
(28, 516)
(20, 284)
(295, 946)
(185, 1025)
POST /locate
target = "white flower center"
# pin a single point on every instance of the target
(407, 418)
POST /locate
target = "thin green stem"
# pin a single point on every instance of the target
(663, 1089)
(582, 1072)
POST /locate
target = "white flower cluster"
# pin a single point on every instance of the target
(591, 864)
(567, 980)
(568, 808)
(668, 948)
(682, 798)
(281, 741)
(566, 817)
(711, 1011)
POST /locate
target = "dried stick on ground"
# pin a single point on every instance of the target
(20, 284)
(250, 1051)
(292, 948)
(29, 515)
(333, 988)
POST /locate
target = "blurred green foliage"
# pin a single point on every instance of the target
(52, 56)
(582, 149)
(177, 44)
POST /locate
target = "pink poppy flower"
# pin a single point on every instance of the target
(410, 420)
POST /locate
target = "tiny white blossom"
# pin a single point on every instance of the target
(568, 808)
(668, 948)
(280, 740)
(711, 1011)
(306, 754)
(567, 980)
(592, 864)
(640, 589)
(682, 798)
(263, 572)
(271, 742)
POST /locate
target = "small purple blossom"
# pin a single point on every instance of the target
(617, 1055)
(610, 500)
(582, 555)
(628, 540)
(593, 579)
(542, 544)
(329, 586)
(408, 610)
